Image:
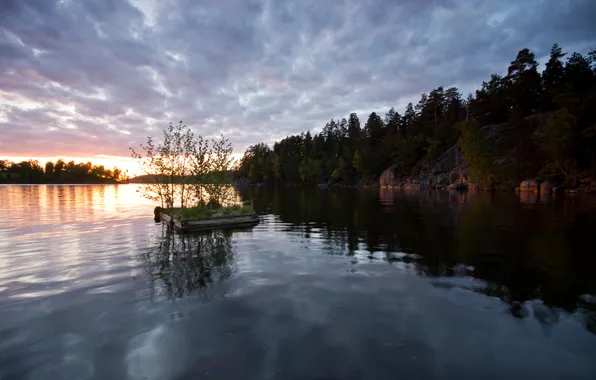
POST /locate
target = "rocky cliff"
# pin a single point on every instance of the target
(448, 169)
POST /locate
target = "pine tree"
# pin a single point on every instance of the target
(525, 88)
(552, 78)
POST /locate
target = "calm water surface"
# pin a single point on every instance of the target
(332, 284)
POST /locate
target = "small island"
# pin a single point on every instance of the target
(202, 218)
(189, 177)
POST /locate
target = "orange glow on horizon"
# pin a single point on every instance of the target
(126, 164)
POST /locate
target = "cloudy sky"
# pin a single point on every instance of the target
(89, 78)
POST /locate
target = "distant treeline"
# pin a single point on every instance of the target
(227, 177)
(31, 171)
(558, 147)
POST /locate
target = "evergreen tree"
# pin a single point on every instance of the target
(506, 113)
(407, 121)
(552, 78)
(525, 85)
(353, 129)
(374, 128)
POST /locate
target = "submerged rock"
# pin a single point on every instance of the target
(157, 214)
(529, 185)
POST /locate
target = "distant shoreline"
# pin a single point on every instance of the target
(62, 183)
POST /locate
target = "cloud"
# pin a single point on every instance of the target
(95, 77)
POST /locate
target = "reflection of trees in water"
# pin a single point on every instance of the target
(541, 253)
(521, 253)
(589, 311)
(189, 263)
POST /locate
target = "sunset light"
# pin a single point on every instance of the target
(126, 164)
(297, 189)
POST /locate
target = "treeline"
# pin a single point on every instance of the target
(547, 127)
(31, 171)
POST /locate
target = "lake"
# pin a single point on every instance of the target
(332, 284)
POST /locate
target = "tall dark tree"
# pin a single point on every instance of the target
(436, 108)
(354, 129)
(407, 121)
(373, 154)
(392, 120)
(374, 128)
(468, 104)
(492, 102)
(454, 112)
(343, 128)
(579, 101)
(525, 88)
(552, 77)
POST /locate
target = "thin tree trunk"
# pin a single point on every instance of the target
(172, 189)
(183, 183)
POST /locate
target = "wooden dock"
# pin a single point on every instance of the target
(212, 223)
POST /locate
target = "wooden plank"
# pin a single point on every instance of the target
(217, 222)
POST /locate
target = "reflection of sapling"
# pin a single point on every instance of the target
(186, 264)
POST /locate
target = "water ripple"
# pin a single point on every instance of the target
(329, 284)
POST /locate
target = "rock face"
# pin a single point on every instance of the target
(448, 169)
(529, 185)
(388, 177)
(546, 187)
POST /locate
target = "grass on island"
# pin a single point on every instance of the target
(204, 212)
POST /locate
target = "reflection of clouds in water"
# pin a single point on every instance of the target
(74, 362)
(513, 247)
(287, 304)
(157, 354)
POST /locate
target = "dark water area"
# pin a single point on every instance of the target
(332, 284)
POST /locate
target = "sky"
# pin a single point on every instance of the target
(89, 79)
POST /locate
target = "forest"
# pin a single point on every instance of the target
(544, 127)
(31, 171)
